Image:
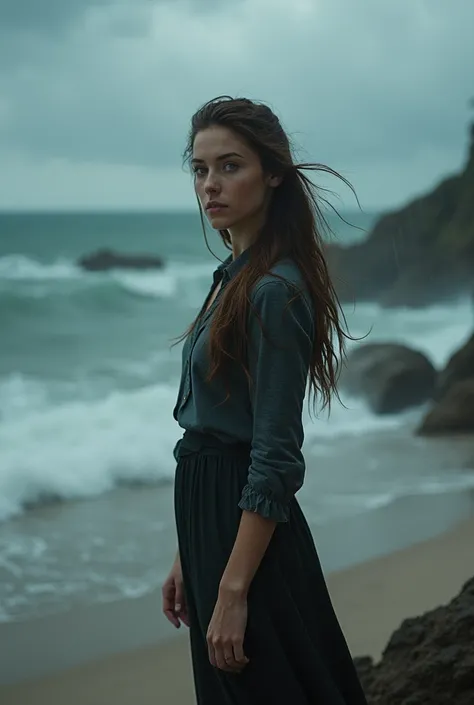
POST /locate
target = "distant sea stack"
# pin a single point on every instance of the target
(103, 260)
(415, 256)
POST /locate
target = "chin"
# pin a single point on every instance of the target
(219, 222)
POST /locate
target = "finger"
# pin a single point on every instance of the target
(229, 658)
(180, 604)
(171, 616)
(179, 596)
(182, 614)
(167, 593)
(219, 656)
(239, 654)
(211, 652)
(184, 617)
(168, 606)
(168, 600)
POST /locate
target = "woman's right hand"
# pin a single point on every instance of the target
(174, 603)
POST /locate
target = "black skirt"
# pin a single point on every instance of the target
(298, 654)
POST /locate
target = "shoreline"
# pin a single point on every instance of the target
(371, 599)
(365, 498)
(40, 646)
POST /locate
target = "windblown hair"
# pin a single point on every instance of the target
(293, 228)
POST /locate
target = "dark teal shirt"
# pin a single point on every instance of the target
(268, 413)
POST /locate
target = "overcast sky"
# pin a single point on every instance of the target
(96, 95)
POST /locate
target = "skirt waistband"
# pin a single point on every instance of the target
(196, 442)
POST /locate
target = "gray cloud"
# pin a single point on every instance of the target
(361, 86)
(51, 15)
(47, 15)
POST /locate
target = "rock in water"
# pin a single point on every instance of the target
(453, 410)
(103, 260)
(460, 367)
(429, 660)
(389, 376)
(454, 413)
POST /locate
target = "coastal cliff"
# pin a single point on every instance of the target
(415, 256)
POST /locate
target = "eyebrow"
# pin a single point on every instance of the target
(220, 158)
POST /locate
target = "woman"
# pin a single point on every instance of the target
(247, 578)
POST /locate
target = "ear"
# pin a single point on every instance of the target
(274, 181)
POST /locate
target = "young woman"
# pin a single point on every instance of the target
(247, 578)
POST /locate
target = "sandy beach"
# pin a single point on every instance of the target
(371, 600)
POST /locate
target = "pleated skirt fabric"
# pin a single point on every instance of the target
(298, 654)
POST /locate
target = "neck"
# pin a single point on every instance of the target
(239, 245)
(243, 235)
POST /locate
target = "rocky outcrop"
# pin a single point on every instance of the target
(429, 660)
(453, 410)
(390, 377)
(415, 256)
(103, 260)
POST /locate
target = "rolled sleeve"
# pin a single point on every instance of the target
(278, 359)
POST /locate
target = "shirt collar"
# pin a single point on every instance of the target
(230, 267)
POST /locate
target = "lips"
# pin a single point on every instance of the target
(215, 206)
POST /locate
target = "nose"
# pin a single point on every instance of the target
(212, 184)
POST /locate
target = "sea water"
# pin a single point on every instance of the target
(88, 381)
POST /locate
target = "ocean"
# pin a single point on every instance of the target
(88, 381)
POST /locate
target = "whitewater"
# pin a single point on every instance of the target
(81, 436)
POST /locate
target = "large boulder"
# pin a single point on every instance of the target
(460, 367)
(429, 660)
(103, 260)
(417, 255)
(453, 413)
(453, 409)
(389, 376)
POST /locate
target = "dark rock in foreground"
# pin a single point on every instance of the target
(453, 410)
(389, 376)
(103, 260)
(429, 660)
(417, 255)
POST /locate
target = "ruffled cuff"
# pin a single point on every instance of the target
(267, 507)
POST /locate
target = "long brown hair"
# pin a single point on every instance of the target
(293, 228)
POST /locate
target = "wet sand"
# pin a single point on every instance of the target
(371, 599)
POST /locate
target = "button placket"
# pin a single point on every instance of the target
(199, 329)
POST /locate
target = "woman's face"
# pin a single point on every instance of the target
(228, 172)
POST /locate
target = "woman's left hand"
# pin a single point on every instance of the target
(226, 631)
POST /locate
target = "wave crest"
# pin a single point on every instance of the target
(81, 448)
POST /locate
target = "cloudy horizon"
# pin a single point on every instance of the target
(96, 95)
